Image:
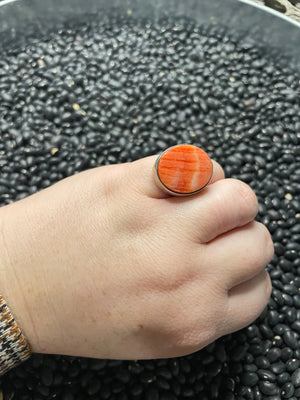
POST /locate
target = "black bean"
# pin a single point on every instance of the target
(181, 379)
(280, 329)
(236, 368)
(239, 353)
(294, 245)
(58, 379)
(174, 367)
(266, 331)
(292, 365)
(290, 315)
(136, 389)
(277, 341)
(290, 289)
(291, 254)
(118, 387)
(176, 388)
(123, 375)
(68, 395)
(279, 249)
(105, 392)
(288, 300)
(152, 394)
(250, 367)
(286, 353)
(291, 339)
(297, 393)
(214, 368)
(168, 396)
(121, 396)
(274, 354)
(274, 397)
(296, 301)
(287, 390)
(229, 396)
(43, 390)
(278, 367)
(282, 298)
(262, 362)
(136, 368)
(85, 378)
(46, 376)
(162, 383)
(296, 377)
(249, 379)
(283, 378)
(297, 353)
(189, 393)
(164, 372)
(266, 375)
(221, 352)
(268, 388)
(93, 386)
(273, 318)
(186, 366)
(252, 331)
(147, 377)
(150, 366)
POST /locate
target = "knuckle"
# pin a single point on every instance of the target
(256, 262)
(269, 245)
(133, 220)
(247, 196)
(179, 277)
(263, 250)
(186, 337)
(218, 170)
(269, 249)
(267, 242)
(194, 331)
(268, 284)
(111, 178)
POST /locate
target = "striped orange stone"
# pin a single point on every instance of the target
(184, 169)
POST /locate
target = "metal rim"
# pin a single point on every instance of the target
(248, 2)
(5, 2)
(271, 11)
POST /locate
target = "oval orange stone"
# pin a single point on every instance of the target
(184, 169)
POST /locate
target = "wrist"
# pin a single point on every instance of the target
(10, 285)
(17, 279)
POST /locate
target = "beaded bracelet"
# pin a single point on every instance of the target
(14, 348)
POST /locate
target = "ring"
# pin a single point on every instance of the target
(183, 170)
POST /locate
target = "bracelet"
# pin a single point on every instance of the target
(14, 348)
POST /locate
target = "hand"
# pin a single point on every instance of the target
(103, 264)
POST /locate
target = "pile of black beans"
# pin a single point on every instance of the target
(118, 89)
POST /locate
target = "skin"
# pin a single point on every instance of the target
(103, 264)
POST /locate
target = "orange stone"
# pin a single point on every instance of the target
(184, 169)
